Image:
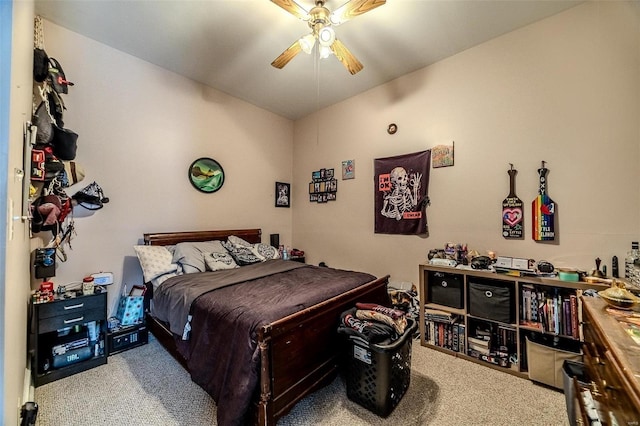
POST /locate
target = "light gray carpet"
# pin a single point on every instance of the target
(146, 386)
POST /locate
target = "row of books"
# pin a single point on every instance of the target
(446, 335)
(551, 310)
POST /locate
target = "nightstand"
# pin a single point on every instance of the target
(298, 259)
(67, 336)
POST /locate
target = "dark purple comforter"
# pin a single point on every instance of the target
(222, 353)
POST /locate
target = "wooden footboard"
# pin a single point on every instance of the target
(300, 353)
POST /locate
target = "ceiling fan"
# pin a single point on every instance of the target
(321, 20)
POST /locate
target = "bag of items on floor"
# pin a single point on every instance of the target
(376, 355)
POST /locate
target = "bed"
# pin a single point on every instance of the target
(291, 354)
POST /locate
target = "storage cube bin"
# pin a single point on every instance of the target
(546, 362)
(377, 376)
(492, 301)
(446, 289)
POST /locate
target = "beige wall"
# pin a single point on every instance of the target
(140, 128)
(16, 295)
(565, 90)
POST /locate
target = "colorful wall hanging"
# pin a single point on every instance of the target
(323, 186)
(543, 210)
(512, 210)
(442, 156)
(348, 169)
(401, 193)
(206, 175)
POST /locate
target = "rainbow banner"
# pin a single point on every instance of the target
(543, 211)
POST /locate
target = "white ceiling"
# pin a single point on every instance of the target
(229, 44)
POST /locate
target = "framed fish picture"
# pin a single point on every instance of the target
(206, 175)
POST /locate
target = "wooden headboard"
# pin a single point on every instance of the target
(170, 238)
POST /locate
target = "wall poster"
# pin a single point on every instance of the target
(401, 193)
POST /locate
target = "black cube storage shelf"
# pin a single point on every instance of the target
(493, 300)
(446, 289)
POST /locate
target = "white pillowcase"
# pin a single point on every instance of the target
(191, 254)
(238, 242)
(155, 261)
(217, 261)
(265, 251)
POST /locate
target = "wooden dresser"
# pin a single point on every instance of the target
(612, 363)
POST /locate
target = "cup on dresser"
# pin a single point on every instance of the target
(87, 285)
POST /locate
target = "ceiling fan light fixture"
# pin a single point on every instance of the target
(307, 42)
(325, 51)
(326, 36)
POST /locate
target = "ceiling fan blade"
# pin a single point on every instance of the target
(287, 55)
(353, 8)
(346, 57)
(293, 8)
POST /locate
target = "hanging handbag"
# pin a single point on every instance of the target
(65, 143)
(40, 58)
(91, 197)
(40, 65)
(42, 120)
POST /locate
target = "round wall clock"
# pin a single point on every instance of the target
(206, 175)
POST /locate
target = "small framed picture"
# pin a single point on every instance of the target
(442, 155)
(328, 174)
(348, 169)
(283, 194)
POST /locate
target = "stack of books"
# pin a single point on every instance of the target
(492, 346)
(479, 345)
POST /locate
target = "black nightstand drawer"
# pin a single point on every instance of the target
(70, 319)
(74, 304)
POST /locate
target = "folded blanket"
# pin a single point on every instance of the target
(390, 312)
(371, 331)
(398, 324)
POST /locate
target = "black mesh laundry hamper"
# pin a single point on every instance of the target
(377, 376)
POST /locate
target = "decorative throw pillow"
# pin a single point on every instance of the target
(266, 251)
(155, 261)
(191, 254)
(237, 241)
(217, 261)
(242, 255)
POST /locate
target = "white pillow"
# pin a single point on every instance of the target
(216, 261)
(155, 261)
(238, 242)
(191, 254)
(265, 251)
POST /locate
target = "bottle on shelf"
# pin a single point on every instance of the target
(631, 268)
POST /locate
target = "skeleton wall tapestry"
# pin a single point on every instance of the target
(401, 193)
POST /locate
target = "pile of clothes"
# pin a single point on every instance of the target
(374, 323)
